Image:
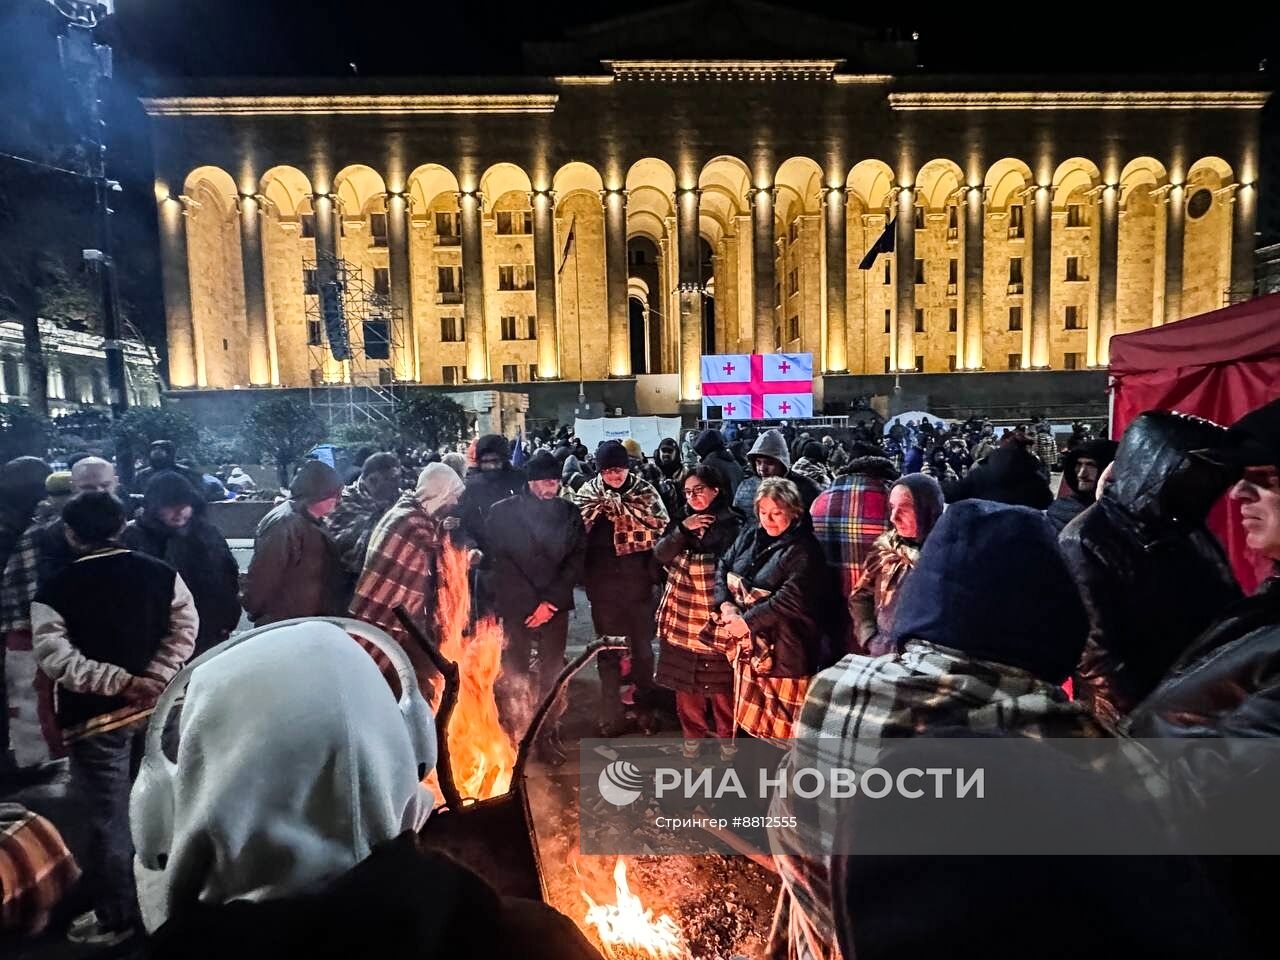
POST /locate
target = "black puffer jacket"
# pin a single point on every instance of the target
(1152, 575)
(484, 489)
(794, 619)
(201, 556)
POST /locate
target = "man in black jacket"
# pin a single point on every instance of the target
(173, 528)
(711, 450)
(1081, 467)
(1152, 574)
(536, 543)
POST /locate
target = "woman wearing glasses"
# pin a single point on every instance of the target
(698, 672)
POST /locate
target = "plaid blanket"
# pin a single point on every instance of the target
(687, 601)
(847, 519)
(764, 706)
(883, 575)
(352, 523)
(850, 712)
(635, 509)
(819, 473)
(400, 569)
(19, 584)
(36, 870)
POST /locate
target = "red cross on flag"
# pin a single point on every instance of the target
(769, 386)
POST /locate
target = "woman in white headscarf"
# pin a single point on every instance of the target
(294, 822)
(402, 563)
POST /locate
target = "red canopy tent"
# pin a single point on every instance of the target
(1218, 365)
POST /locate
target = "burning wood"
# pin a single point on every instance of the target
(628, 929)
(482, 754)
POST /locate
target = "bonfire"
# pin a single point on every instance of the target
(482, 754)
(628, 929)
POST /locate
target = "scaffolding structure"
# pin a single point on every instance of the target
(359, 388)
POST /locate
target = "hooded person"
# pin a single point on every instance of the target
(572, 475)
(813, 465)
(714, 452)
(769, 457)
(174, 528)
(669, 471)
(623, 516)
(960, 667)
(699, 672)
(938, 466)
(536, 548)
(1152, 574)
(22, 486)
(493, 479)
(295, 570)
(361, 506)
(294, 824)
(915, 506)
(402, 565)
(1011, 475)
(1081, 467)
(162, 457)
(849, 516)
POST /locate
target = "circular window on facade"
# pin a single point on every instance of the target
(1198, 203)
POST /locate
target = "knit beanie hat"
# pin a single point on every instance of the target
(542, 466)
(492, 444)
(611, 454)
(991, 582)
(172, 490)
(58, 483)
(815, 451)
(314, 481)
(708, 442)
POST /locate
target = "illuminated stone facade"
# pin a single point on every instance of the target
(513, 224)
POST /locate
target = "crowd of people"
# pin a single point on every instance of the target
(823, 587)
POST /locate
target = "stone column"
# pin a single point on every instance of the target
(974, 237)
(1244, 215)
(405, 335)
(1108, 266)
(905, 268)
(470, 203)
(687, 209)
(255, 290)
(1041, 275)
(544, 270)
(834, 200)
(762, 254)
(175, 275)
(615, 259)
(1174, 223)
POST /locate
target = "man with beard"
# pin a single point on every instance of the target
(163, 458)
(536, 546)
(173, 528)
(624, 517)
(360, 507)
(670, 470)
(1081, 467)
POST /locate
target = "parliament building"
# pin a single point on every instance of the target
(643, 193)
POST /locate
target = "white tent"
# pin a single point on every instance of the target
(917, 416)
(649, 431)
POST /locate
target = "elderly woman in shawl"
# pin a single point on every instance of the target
(915, 504)
(401, 566)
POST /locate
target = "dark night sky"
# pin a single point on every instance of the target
(165, 40)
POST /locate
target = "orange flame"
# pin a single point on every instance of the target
(482, 754)
(628, 929)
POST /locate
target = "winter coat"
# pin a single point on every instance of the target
(202, 558)
(536, 551)
(728, 467)
(1046, 448)
(295, 571)
(484, 489)
(1065, 509)
(913, 459)
(1152, 575)
(686, 663)
(793, 620)
(1008, 475)
(1227, 684)
(619, 584)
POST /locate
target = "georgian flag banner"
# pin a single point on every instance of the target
(755, 386)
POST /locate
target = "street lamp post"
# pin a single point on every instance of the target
(88, 65)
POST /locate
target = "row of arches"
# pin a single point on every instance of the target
(999, 270)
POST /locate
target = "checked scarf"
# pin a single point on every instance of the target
(635, 509)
